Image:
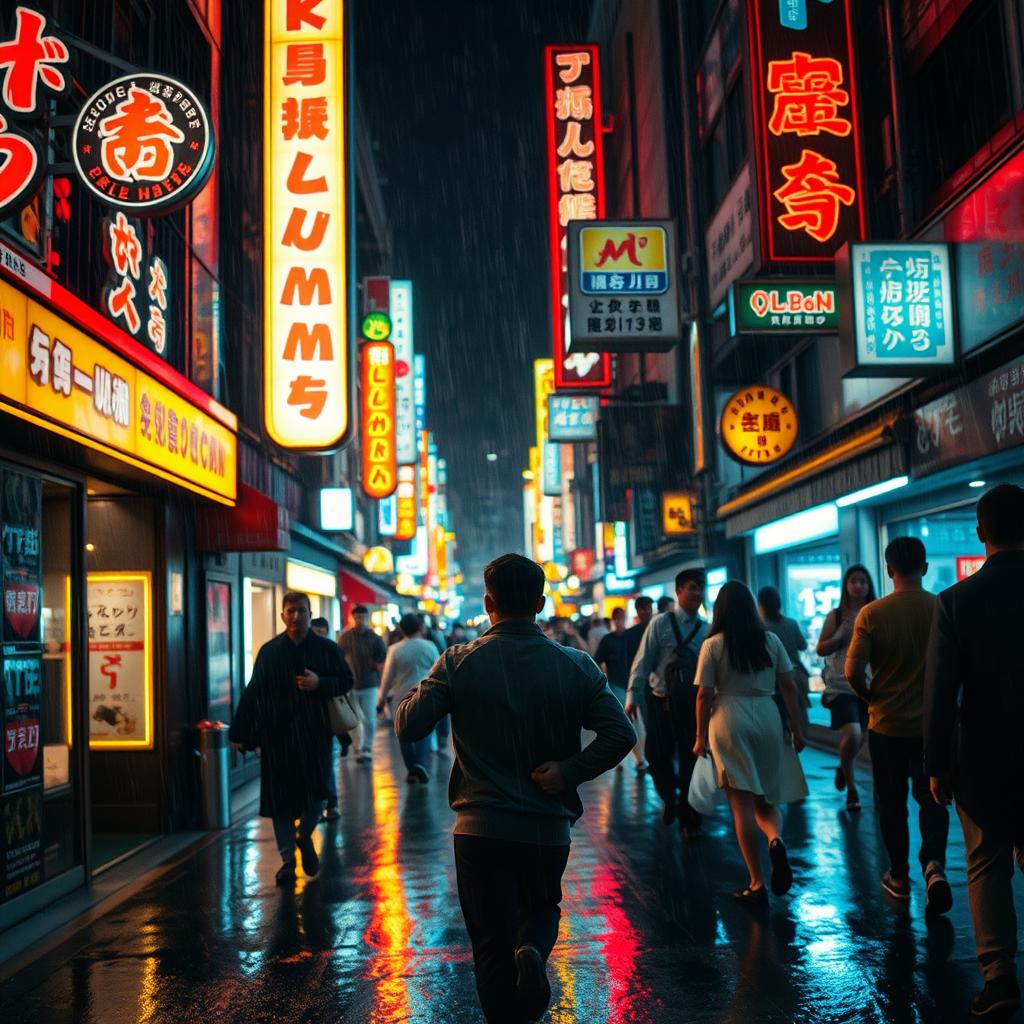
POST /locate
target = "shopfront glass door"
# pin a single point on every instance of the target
(951, 542)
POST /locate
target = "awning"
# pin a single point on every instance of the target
(255, 524)
(356, 590)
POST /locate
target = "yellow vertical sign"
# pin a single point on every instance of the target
(543, 385)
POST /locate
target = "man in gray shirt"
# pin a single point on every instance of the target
(518, 702)
(664, 667)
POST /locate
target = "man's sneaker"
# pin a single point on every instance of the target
(897, 888)
(421, 773)
(532, 983)
(940, 896)
(310, 861)
(331, 814)
(286, 873)
(1001, 995)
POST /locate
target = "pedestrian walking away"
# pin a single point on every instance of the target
(973, 719)
(662, 674)
(769, 605)
(366, 653)
(890, 636)
(518, 702)
(283, 715)
(611, 655)
(741, 664)
(848, 713)
(408, 662)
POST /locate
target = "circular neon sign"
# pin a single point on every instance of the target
(758, 426)
(376, 326)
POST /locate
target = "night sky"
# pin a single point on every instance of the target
(452, 92)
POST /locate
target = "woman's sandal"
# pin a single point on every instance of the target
(752, 897)
(853, 800)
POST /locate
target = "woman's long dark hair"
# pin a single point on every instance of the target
(745, 639)
(844, 597)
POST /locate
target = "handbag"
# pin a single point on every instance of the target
(343, 714)
(704, 793)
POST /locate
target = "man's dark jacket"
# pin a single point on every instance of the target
(288, 725)
(974, 659)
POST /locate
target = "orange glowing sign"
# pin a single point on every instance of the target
(575, 192)
(407, 508)
(805, 109)
(758, 426)
(380, 467)
(305, 206)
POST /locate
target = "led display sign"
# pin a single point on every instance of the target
(380, 470)
(575, 172)
(809, 170)
(758, 426)
(305, 217)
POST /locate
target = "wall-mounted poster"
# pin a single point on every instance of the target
(120, 661)
(22, 692)
(21, 842)
(218, 649)
(21, 516)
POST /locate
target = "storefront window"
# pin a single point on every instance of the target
(218, 650)
(951, 542)
(261, 623)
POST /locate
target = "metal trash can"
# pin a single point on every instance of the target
(213, 774)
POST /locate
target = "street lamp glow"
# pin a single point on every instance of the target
(492, 457)
(873, 491)
(976, 483)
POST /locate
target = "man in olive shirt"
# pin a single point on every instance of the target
(891, 635)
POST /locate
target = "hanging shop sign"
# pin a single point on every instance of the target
(60, 378)
(306, 213)
(380, 470)
(144, 144)
(543, 385)
(575, 170)
(387, 515)
(419, 387)
(337, 509)
(623, 286)
(376, 326)
(806, 128)
(551, 469)
(120, 661)
(379, 561)
(581, 561)
(407, 507)
(572, 418)
(405, 380)
(896, 309)
(758, 426)
(975, 420)
(21, 514)
(729, 238)
(677, 513)
(783, 307)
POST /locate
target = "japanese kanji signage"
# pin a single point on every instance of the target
(808, 139)
(771, 306)
(575, 192)
(981, 418)
(22, 766)
(572, 418)
(21, 525)
(896, 308)
(58, 377)
(405, 380)
(623, 286)
(758, 426)
(144, 144)
(407, 507)
(380, 470)
(305, 205)
(677, 513)
(120, 661)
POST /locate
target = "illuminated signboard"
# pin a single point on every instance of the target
(144, 143)
(407, 507)
(305, 217)
(897, 309)
(55, 375)
(387, 514)
(380, 471)
(783, 307)
(806, 124)
(623, 289)
(572, 418)
(378, 561)
(677, 513)
(968, 565)
(543, 385)
(551, 469)
(405, 377)
(575, 192)
(337, 509)
(758, 426)
(419, 388)
(376, 326)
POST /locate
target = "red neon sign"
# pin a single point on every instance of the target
(575, 192)
(810, 177)
(380, 468)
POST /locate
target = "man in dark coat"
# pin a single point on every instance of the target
(283, 713)
(974, 741)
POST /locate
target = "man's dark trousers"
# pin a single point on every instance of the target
(671, 734)
(510, 894)
(895, 762)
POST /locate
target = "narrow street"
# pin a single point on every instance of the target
(649, 931)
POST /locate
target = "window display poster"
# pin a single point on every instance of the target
(218, 649)
(22, 698)
(21, 842)
(120, 661)
(21, 515)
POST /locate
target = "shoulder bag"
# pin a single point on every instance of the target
(343, 714)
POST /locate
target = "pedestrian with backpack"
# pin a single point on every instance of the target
(664, 666)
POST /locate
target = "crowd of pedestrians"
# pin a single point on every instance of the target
(933, 684)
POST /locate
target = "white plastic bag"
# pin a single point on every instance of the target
(704, 790)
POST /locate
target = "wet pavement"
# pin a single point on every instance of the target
(649, 931)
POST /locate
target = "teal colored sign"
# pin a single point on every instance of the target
(572, 418)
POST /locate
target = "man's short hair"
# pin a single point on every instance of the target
(618, 613)
(516, 585)
(410, 624)
(664, 603)
(643, 602)
(1001, 515)
(689, 576)
(360, 609)
(296, 597)
(905, 555)
(320, 622)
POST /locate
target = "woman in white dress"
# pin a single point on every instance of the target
(737, 671)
